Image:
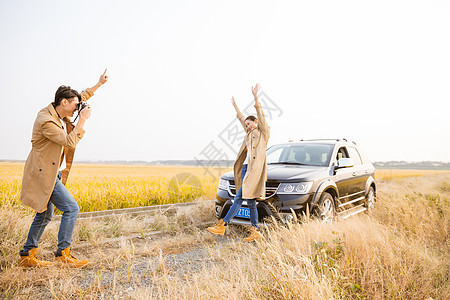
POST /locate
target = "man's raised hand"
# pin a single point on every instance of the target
(103, 77)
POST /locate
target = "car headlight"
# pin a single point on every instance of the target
(223, 184)
(295, 188)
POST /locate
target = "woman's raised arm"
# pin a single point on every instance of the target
(262, 123)
(239, 115)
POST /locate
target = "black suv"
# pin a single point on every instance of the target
(329, 178)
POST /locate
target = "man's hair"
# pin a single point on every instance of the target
(65, 92)
(251, 118)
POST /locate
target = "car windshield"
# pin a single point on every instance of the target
(300, 154)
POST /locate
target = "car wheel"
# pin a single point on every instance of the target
(325, 208)
(275, 212)
(370, 200)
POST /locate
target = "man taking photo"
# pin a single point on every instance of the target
(53, 139)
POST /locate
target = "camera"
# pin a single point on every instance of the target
(81, 105)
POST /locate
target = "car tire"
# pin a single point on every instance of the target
(369, 202)
(325, 209)
(275, 212)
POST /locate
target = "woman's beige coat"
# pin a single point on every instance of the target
(255, 141)
(41, 168)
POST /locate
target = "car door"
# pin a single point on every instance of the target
(367, 168)
(343, 178)
(358, 173)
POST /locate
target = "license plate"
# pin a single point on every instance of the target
(243, 212)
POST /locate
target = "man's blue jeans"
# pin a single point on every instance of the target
(238, 202)
(62, 199)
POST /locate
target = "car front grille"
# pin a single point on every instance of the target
(271, 188)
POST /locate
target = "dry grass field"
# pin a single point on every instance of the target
(392, 174)
(400, 251)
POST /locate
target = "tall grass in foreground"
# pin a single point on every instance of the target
(400, 251)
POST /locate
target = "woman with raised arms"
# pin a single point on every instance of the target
(250, 168)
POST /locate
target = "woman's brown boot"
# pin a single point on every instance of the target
(254, 234)
(219, 228)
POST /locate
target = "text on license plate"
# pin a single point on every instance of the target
(243, 212)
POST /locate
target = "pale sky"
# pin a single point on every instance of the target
(375, 72)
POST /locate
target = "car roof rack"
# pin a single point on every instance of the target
(337, 140)
(312, 140)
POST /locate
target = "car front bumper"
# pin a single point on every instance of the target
(283, 203)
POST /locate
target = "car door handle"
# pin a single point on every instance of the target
(354, 174)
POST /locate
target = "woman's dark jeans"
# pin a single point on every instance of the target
(238, 202)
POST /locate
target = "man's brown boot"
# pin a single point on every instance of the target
(219, 228)
(254, 234)
(30, 260)
(69, 260)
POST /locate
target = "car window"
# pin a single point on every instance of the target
(354, 155)
(342, 153)
(296, 154)
(317, 155)
(274, 153)
(309, 154)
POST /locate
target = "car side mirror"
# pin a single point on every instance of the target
(345, 163)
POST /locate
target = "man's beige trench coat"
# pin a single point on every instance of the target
(255, 141)
(50, 142)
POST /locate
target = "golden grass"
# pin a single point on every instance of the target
(101, 187)
(395, 174)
